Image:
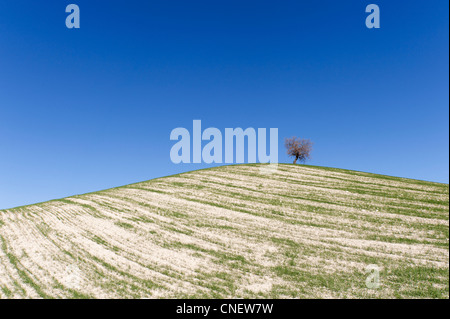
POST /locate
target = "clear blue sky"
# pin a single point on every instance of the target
(88, 109)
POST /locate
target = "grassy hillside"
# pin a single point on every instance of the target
(302, 232)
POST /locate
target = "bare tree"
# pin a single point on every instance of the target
(299, 148)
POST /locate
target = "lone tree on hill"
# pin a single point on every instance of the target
(299, 148)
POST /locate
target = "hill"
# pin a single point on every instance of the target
(230, 231)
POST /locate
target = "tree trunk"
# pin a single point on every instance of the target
(295, 161)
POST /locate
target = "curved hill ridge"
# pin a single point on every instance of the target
(233, 231)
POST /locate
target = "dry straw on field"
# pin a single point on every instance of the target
(301, 232)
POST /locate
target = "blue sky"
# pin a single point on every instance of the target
(88, 109)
